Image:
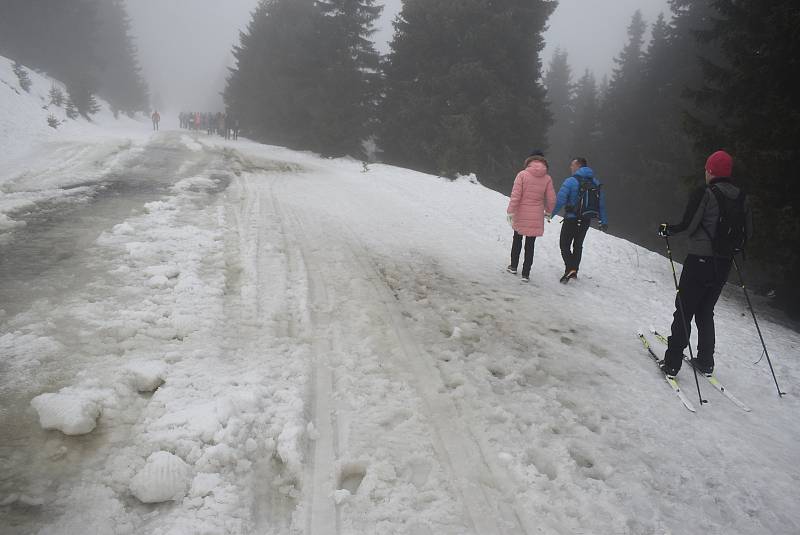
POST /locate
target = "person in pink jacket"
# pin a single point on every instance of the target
(532, 196)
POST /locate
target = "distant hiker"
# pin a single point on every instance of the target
(236, 128)
(227, 121)
(718, 220)
(156, 118)
(582, 197)
(531, 196)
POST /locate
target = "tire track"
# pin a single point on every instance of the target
(321, 515)
(487, 499)
(246, 330)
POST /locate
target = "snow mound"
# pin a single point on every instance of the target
(164, 477)
(204, 484)
(70, 414)
(168, 271)
(123, 229)
(147, 376)
(191, 144)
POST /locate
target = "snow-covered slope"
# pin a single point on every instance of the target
(39, 162)
(336, 350)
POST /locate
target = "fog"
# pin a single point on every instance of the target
(594, 31)
(185, 45)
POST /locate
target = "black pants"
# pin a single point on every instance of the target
(573, 232)
(702, 281)
(516, 248)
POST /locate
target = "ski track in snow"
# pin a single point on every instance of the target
(343, 353)
(466, 468)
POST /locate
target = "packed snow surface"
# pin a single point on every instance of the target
(276, 343)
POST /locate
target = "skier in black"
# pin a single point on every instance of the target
(704, 270)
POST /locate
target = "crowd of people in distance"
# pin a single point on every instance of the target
(219, 123)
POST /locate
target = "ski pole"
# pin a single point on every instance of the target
(685, 320)
(750, 306)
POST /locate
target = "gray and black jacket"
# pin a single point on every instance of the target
(702, 213)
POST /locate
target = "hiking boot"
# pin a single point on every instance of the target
(669, 372)
(705, 370)
(526, 278)
(571, 274)
(512, 270)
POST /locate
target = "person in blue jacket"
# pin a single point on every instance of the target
(575, 225)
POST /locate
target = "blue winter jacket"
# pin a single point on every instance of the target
(568, 194)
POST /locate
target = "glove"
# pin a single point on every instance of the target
(663, 230)
(510, 219)
(604, 227)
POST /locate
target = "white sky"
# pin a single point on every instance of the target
(185, 45)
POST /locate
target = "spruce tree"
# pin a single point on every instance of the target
(622, 114)
(558, 82)
(71, 110)
(352, 79)
(306, 75)
(453, 103)
(56, 95)
(275, 88)
(752, 94)
(622, 118)
(118, 72)
(82, 98)
(22, 77)
(583, 135)
(84, 43)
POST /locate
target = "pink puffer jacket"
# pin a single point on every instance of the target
(532, 196)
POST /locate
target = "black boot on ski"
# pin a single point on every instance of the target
(669, 372)
(705, 370)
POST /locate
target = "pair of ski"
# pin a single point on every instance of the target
(713, 381)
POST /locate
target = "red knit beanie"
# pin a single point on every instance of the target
(720, 164)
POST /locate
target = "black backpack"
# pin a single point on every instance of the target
(588, 199)
(731, 232)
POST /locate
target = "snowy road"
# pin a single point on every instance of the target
(342, 353)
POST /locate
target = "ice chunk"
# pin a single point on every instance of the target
(158, 281)
(169, 271)
(123, 228)
(340, 495)
(164, 477)
(70, 414)
(148, 375)
(204, 484)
